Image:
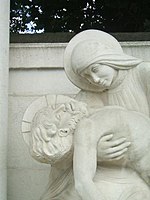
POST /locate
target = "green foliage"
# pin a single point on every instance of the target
(78, 15)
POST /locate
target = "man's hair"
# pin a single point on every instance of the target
(46, 144)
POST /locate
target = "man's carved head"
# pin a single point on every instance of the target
(52, 131)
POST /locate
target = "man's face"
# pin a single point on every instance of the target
(62, 116)
(65, 117)
(52, 135)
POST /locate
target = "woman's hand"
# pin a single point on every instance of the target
(109, 150)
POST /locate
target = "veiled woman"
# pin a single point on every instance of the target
(94, 62)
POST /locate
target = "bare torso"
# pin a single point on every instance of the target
(122, 123)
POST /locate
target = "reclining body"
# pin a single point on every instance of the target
(121, 123)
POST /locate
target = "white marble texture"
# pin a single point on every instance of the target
(25, 86)
(95, 62)
(85, 138)
(83, 127)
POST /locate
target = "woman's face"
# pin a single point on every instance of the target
(99, 75)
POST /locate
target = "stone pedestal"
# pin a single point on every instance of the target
(4, 60)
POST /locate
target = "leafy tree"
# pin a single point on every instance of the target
(78, 15)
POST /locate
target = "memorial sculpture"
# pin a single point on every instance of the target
(109, 126)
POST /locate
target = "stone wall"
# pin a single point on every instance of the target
(37, 69)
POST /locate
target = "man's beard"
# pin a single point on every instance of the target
(57, 149)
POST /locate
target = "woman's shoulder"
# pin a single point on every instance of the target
(144, 67)
(144, 72)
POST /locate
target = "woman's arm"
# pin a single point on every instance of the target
(108, 149)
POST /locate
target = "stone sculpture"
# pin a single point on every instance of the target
(116, 89)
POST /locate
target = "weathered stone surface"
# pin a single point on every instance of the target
(104, 132)
(36, 70)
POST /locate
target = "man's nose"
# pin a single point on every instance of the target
(96, 79)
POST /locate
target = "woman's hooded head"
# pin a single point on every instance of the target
(89, 52)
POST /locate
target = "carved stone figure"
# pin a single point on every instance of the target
(95, 62)
(108, 124)
(54, 128)
(52, 131)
